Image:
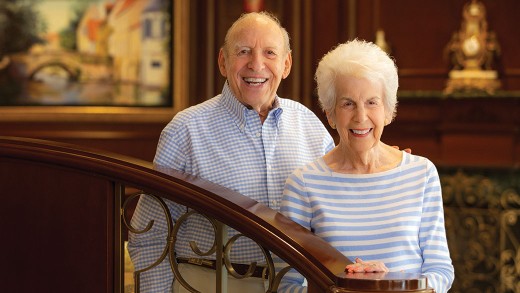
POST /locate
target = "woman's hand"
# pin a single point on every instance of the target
(361, 266)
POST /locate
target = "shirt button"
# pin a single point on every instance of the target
(258, 134)
(269, 167)
(273, 203)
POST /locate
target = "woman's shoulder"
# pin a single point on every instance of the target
(411, 158)
(413, 161)
(318, 166)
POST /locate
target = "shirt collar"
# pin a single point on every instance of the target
(238, 110)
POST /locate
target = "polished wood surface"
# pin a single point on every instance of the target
(459, 131)
(383, 282)
(133, 139)
(60, 228)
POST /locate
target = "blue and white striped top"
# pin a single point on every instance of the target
(223, 141)
(395, 216)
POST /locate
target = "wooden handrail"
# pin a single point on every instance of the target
(320, 263)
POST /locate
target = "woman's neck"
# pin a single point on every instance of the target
(381, 157)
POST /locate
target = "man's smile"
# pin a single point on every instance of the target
(255, 80)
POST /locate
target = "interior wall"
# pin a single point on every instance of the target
(417, 32)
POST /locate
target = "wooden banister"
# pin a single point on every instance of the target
(60, 212)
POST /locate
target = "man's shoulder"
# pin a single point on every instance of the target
(299, 114)
(288, 104)
(199, 111)
(195, 116)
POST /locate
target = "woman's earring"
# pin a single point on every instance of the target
(332, 125)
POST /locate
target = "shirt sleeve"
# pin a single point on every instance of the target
(437, 265)
(295, 205)
(146, 248)
(172, 148)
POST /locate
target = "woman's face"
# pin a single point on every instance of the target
(359, 114)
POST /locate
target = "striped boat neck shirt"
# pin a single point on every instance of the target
(395, 216)
(223, 141)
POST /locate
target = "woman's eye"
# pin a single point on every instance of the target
(373, 102)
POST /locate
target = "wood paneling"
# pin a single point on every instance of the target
(474, 132)
(137, 140)
(417, 32)
(62, 228)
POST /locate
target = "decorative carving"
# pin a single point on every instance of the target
(483, 229)
(221, 248)
(473, 51)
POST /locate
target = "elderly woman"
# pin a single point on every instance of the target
(379, 206)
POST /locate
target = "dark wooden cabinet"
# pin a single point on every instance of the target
(460, 130)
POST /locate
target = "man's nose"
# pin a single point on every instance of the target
(257, 61)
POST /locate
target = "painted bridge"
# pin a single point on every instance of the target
(78, 66)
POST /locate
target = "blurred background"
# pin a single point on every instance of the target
(459, 95)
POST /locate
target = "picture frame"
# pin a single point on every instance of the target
(123, 112)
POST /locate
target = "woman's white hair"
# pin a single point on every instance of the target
(360, 59)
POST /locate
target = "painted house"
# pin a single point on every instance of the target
(155, 51)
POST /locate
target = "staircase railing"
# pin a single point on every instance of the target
(63, 211)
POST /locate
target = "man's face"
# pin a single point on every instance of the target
(255, 61)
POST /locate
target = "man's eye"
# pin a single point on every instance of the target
(243, 52)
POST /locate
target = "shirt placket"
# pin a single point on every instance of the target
(269, 137)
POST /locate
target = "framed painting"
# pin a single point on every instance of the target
(92, 59)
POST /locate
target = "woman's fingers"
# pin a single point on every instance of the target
(361, 266)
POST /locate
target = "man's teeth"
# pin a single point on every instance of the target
(254, 80)
(360, 131)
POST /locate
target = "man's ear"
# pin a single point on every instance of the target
(287, 65)
(222, 62)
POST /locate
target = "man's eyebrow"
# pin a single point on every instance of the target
(238, 46)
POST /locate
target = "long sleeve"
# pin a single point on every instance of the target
(146, 248)
(296, 207)
(437, 264)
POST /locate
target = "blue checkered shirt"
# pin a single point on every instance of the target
(223, 141)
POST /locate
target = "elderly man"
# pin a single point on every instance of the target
(246, 138)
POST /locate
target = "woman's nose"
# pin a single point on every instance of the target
(361, 114)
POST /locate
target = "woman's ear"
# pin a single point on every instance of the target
(331, 121)
(388, 121)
